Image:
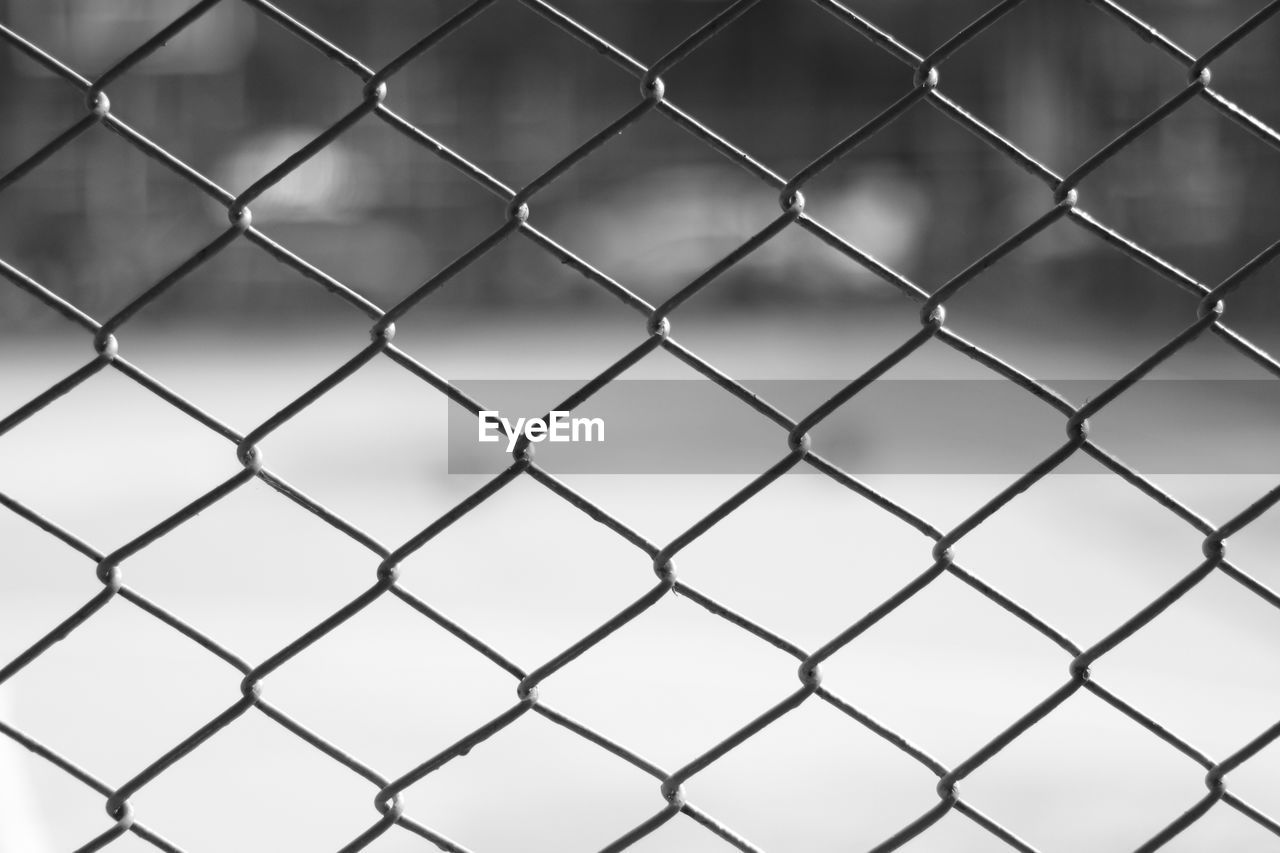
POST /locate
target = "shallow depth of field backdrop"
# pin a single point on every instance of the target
(235, 94)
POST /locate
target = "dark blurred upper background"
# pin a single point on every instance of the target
(235, 94)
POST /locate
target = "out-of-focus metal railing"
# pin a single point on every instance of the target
(922, 83)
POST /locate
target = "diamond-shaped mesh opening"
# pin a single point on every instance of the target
(515, 269)
(50, 578)
(533, 755)
(1159, 425)
(905, 196)
(403, 663)
(321, 332)
(248, 53)
(1060, 118)
(654, 223)
(370, 450)
(166, 459)
(283, 571)
(1127, 768)
(176, 689)
(116, 224)
(33, 122)
(1229, 699)
(288, 791)
(1100, 551)
(833, 766)
(962, 653)
(708, 679)
(1187, 200)
(746, 84)
(465, 348)
(544, 94)
(28, 788)
(816, 342)
(808, 577)
(940, 427)
(540, 586)
(1036, 308)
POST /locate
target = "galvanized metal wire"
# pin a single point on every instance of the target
(922, 83)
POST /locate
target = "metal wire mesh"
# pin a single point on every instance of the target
(921, 83)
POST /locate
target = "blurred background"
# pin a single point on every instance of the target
(235, 94)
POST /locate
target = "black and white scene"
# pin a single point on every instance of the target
(680, 426)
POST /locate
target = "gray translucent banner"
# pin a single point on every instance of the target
(664, 426)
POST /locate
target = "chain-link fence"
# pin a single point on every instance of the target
(923, 86)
